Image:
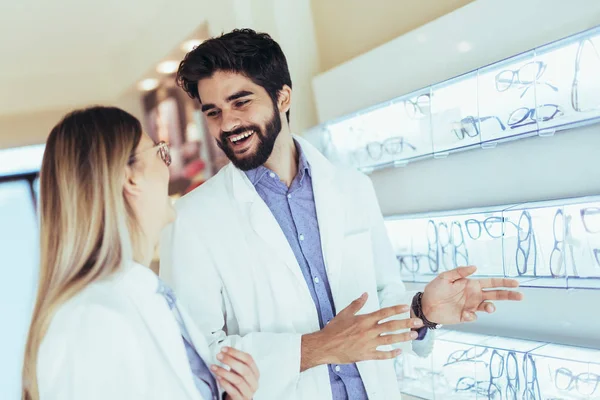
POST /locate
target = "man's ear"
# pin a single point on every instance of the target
(130, 185)
(284, 99)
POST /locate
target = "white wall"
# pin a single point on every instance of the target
(33, 128)
(496, 29)
(524, 170)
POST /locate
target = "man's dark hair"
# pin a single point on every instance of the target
(243, 51)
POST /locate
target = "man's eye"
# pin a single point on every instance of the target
(212, 114)
(242, 103)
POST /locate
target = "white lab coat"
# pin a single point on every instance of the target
(230, 262)
(118, 340)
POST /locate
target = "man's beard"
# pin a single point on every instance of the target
(264, 148)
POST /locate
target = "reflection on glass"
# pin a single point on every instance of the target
(587, 65)
(526, 116)
(444, 240)
(482, 388)
(590, 217)
(556, 256)
(586, 383)
(433, 251)
(470, 355)
(410, 262)
(523, 78)
(392, 146)
(418, 108)
(461, 254)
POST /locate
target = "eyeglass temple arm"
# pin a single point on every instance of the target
(482, 119)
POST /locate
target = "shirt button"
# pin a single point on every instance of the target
(301, 237)
(317, 279)
(337, 368)
(289, 196)
(271, 174)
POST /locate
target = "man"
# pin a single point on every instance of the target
(284, 255)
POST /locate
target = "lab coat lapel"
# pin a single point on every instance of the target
(330, 212)
(263, 222)
(161, 323)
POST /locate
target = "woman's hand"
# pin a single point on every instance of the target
(241, 382)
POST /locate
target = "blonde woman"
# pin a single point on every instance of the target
(104, 326)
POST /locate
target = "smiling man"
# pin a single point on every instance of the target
(285, 256)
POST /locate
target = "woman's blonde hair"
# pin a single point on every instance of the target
(87, 227)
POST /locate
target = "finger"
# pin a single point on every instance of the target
(241, 369)
(502, 295)
(230, 389)
(396, 325)
(243, 357)
(458, 273)
(384, 355)
(487, 307)
(356, 305)
(388, 312)
(233, 379)
(468, 316)
(488, 283)
(396, 338)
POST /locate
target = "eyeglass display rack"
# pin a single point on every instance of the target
(537, 93)
(552, 244)
(473, 366)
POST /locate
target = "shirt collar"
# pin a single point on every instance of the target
(303, 164)
(257, 174)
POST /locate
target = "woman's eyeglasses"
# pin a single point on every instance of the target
(163, 150)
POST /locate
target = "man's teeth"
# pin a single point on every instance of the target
(241, 136)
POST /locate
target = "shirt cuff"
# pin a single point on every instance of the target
(422, 332)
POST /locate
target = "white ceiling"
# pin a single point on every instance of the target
(65, 53)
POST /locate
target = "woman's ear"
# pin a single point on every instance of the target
(284, 99)
(130, 185)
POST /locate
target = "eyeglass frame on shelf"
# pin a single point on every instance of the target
(475, 122)
(531, 240)
(530, 114)
(384, 147)
(575, 85)
(527, 84)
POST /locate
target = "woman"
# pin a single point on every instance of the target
(104, 325)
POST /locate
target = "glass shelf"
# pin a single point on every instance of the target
(547, 89)
(550, 244)
(472, 366)
(455, 117)
(507, 98)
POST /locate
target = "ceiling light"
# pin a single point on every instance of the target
(464, 47)
(189, 45)
(167, 67)
(148, 84)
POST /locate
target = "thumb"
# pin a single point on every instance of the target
(356, 305)
(459, 273)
